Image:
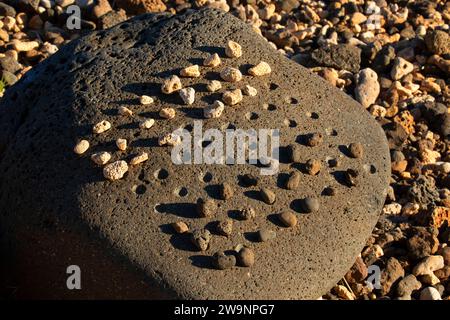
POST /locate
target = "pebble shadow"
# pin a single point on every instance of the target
(205, 262)
(184, 209)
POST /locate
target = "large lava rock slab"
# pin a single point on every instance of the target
(58, 210)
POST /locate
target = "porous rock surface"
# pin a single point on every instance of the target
(57, 209)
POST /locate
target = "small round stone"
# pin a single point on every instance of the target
(246, 257)
(214, 85)
(225, 227)
(124, 111)
(146, 100)
(266, 235)
(121, 144)
(147, 124)
(101, 158)
(232, 97)
(81, 147)
(214, 110)
(169, 139)
(247, 213)
(294, 153)
(223, 261)
(206, 208)
(356, 150)
(167, 113)
(230, 74)
(313, 166)
(187, 95)
(233, 49)
(180, 227)
(212, 61)
(115, 170)
(315, 139)
(101, 127)
(268, 196)
(261, 69)
(143, 156)
(201, 238)
(311, 204)
(293, 180)
(191, 71)
(288, 219)
(226, 191)
(171, 84)
(249, 91)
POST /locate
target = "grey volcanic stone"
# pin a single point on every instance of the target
(339, 56)
(57, 209)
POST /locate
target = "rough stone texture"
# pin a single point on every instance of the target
(342, 56)
(119, 232)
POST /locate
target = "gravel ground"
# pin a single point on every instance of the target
(392, 56)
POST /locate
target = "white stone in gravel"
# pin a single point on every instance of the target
(430, 293)
(49, 48)
(401, 68)
(367, 87)
(65, 3)
(392, 208)
(215, 110)
(24, 46)
(378, 111)
(428, 265)
(188, 95)
(410, 208)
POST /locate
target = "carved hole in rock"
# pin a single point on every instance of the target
(207, 177)
(290, 123)
(139, 189)
(314, 115)
(161, 174)
(251, 116)
(181, 192)
(271, 107)
(273, 86)
(370, 168)
(291, 100)
(331, 132)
